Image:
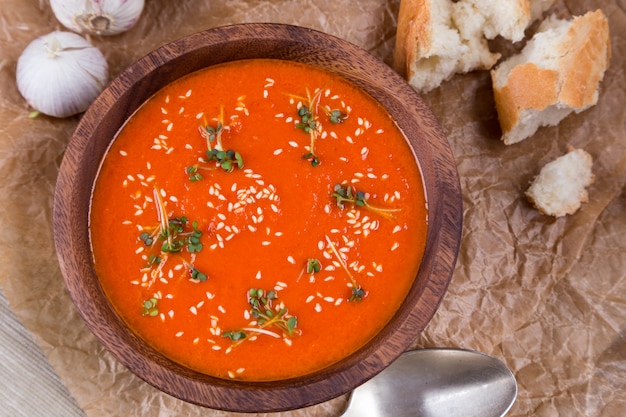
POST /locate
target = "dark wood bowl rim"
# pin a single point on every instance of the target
(132, 87)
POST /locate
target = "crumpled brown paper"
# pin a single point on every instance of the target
(546, 295)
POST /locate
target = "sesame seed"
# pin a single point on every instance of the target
(266, 243)
(179, 334)
(169, 127)
(395, 246)
(318, 307)
(278, 151)
(309, 299)
(221, 309)
(293, 144)
(123, 153)
(193, 310)
(291, 260)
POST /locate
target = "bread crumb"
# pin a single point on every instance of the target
(561, 186)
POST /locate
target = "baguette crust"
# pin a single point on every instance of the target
(541, 88)
(413, 33)
(431, 46)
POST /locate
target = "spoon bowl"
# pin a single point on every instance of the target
(437, 383)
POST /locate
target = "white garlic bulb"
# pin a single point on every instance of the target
(61, 74)
(97, 17)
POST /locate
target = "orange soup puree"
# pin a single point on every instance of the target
(258, 220)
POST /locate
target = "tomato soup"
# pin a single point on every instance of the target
(258, 220)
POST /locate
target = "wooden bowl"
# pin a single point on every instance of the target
(141, 80)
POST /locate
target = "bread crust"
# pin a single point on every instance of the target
(590, 41)
(412, 34)
(584, 54)
(528, 87)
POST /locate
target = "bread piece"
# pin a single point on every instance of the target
(436, 39)
(429, 48)
(560, 187)
(506, 18)
(558, 72)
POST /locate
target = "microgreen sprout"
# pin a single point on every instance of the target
(307, 119)
(346, 194)
(235, 335)
(336, 116)
(313, 266)
(268, 318)
(357, 292)
(226, 159)
(307, 112)
(150, 307)
(197, 275)
(170, 237)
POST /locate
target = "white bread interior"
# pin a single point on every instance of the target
(561, 186)
(558, 72)
(436, 39)
(429, 47)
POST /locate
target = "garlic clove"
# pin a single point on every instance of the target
(97, 17)
(61, 74)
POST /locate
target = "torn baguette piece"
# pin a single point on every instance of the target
(558, 72)
(506, 18)
(429, 47)
(561, 186)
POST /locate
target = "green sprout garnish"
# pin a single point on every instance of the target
(174, 236)
(313, 266)
(309, 121)
(337, 116)
(357, 292)
(346, 194)
(268, 318)
(150, 307)
(226, 159)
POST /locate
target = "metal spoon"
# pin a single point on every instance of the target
(437, 383)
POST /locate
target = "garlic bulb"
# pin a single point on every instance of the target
(97, 17)
(61, 74)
